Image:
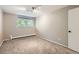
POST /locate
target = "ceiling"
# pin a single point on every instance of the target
(27, 9)
(51, 8)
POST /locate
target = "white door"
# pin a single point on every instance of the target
(73, 27)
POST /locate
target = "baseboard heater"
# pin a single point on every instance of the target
(13, 37)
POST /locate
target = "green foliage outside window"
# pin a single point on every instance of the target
(24, 23)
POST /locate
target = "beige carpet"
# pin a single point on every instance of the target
(33, 45)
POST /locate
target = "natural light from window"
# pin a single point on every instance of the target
(21, 22)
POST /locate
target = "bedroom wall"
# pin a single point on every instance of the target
(1, 27)
(11, 29)
(54, 26)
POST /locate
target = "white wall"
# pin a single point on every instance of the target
(11, 29)
(1, 27)
(53, 26)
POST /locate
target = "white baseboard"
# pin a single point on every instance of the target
(54, 42)
(1, 43)
(21, 36)
(58, 43)
(6, 39)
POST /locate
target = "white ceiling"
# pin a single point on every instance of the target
(20, 9)
(51, 8)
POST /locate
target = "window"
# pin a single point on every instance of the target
(24, 22)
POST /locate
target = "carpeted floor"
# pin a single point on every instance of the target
(33, 45)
